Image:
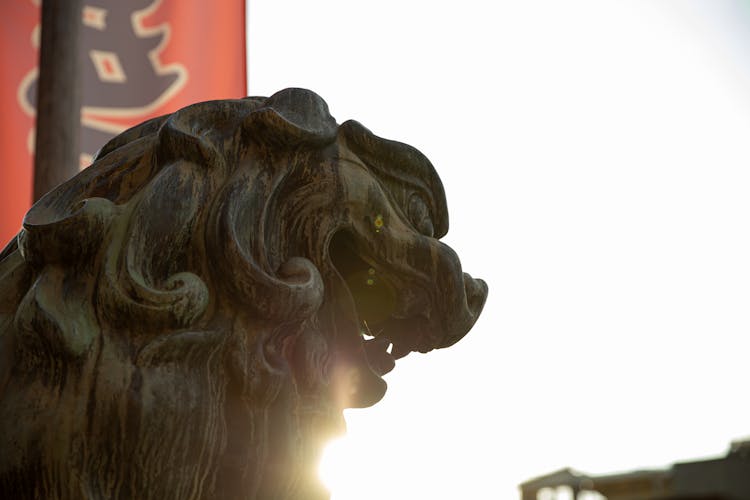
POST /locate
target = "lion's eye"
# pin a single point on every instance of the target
(419, 216)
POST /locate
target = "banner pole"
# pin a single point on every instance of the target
(59, 96)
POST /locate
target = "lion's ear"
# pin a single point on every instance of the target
(394, 161)
(294, 117)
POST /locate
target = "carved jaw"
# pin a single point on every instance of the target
(393, 285)
(428, 312)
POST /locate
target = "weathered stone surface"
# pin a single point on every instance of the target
(184, 319)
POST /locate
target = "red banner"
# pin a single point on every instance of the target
(139, 59)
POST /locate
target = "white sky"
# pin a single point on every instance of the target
(596, 163)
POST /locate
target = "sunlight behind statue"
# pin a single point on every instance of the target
(188, 317)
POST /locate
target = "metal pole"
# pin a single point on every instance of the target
(59, 96)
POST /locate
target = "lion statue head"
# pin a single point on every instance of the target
(188, 317)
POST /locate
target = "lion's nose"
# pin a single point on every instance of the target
(476, 294)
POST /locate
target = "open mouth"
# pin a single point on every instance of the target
(383, 326)
(397, 312)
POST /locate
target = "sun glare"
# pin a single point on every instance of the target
(337, 468)
(356, 468)
(595, 161)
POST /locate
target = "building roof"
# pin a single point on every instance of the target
(725, 478)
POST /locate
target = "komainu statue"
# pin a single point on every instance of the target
(188, 317)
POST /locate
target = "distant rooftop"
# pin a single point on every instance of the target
(726, 478)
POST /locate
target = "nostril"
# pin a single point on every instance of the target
(476, 293)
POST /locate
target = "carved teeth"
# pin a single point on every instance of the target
(380, 360)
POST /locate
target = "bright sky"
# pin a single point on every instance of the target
(596, 163)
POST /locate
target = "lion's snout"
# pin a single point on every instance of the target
(476, 294)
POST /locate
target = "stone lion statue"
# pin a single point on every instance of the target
(188, 317)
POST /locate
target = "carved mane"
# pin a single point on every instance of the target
(181, 319)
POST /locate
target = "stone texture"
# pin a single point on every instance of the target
(188, 317)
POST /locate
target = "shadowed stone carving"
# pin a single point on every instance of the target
(184, 319)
